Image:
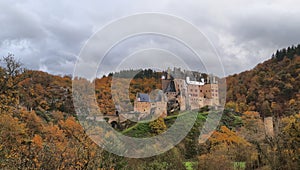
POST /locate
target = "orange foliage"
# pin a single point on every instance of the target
(227, 136)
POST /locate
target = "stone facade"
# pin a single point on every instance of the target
(192, 94)
(268, 122)
(142, 107)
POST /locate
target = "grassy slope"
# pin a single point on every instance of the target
(142, 129)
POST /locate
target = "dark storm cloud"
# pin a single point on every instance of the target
(49, 35)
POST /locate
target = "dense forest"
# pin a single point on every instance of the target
(39, 128)
(272, 87)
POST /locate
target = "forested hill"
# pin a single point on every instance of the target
(272, 87)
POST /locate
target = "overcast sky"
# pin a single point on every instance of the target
(48, 35)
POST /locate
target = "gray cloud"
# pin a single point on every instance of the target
(49, 35)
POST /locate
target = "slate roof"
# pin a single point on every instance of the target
(171, 87)
(143, 97)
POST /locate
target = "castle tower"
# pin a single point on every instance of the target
(169, 74)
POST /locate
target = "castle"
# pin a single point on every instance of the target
(189, 90)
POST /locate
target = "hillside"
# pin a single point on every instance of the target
(39, 128)
(272, 87)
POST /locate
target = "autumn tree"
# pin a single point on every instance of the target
(290, 141)
(10, 76)
(158, 126)
(12, 137)
(226, 147)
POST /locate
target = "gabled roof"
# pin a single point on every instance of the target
(170, 87)
(143, 97)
